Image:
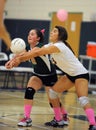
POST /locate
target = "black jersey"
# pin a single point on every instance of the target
(42, 65)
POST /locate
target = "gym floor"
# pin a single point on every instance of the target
(11, 110)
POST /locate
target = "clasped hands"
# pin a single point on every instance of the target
(12, 63)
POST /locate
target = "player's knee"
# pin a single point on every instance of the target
(32, 78)
(53, 94)
(83, 101)
(29, 93)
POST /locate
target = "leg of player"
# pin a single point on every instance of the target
(4, 35)
(82, 92)
(61, 116)
(34, 84)
(81, 86)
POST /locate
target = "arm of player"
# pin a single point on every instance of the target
(31, 54)
(14, 61)
(38, 52)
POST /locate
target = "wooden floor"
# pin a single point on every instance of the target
(11, 110)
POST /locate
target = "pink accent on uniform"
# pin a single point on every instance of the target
(27, 110)
(90, 115)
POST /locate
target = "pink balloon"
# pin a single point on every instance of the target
(62, 15)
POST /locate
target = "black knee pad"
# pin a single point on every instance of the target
(29, 93)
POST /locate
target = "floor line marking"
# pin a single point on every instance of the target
(34, 125)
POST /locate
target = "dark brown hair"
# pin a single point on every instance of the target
(63, 36)
(40, 34)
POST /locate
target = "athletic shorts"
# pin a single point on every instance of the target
(48, 80)
(73, 78)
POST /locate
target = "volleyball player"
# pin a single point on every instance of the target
(44, 74)
(76, 73)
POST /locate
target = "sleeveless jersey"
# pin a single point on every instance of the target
(42, 65)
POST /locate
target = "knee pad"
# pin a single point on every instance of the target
(83, 100)
(29, 93)
(53, 94)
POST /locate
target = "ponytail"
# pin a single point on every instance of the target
(63, 36)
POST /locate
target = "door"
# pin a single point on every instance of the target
(73, 26)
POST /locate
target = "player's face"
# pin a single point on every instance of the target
(33, 38)
(54, 35)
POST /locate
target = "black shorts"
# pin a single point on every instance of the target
(48, 80)
(73, 78)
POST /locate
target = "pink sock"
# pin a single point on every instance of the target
(63, 111)
(27, 110)
(90, 115)
(57, 112)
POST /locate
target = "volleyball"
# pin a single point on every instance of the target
(62, 15)
(18, 45)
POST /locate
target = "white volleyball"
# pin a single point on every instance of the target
(18, 45)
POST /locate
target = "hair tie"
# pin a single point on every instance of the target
(42, 31)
